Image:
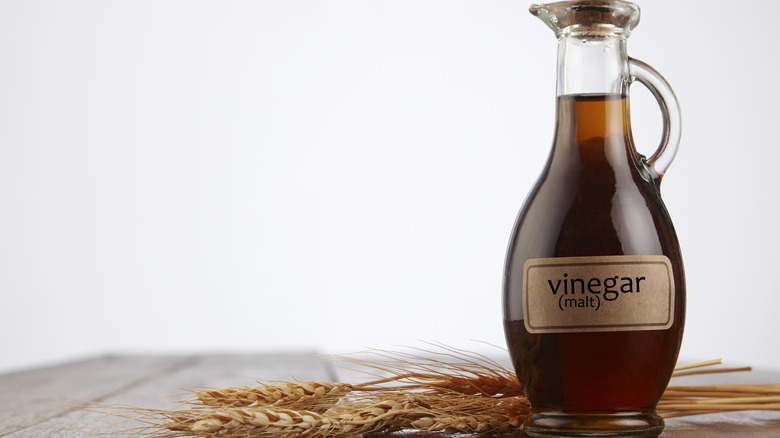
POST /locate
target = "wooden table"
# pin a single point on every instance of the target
(40, 402)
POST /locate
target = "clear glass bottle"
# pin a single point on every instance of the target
(594, 288)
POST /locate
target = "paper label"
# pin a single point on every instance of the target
(595, 294)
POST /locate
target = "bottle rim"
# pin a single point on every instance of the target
(589, 17)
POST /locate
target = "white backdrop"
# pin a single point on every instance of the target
(189, 176)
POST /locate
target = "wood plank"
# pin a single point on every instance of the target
(746, 424)
(164, 390)
(31, 397)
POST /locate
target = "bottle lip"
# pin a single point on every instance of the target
(594, 31)
(588, 17)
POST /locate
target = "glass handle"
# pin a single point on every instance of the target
(659, 162)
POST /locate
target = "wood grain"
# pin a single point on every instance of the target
(156, 382)
(36, 396)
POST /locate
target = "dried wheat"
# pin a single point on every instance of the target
(255, 422)
(454, 392)
(314, 396)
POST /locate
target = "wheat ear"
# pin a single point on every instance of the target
(254, 422)
(314, 396)
(471, 424)
(261, 422)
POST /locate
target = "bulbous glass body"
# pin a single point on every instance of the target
(596, 198)
(593, 199)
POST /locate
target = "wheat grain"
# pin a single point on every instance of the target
(314, 396)
(473, 424)
(253, 421)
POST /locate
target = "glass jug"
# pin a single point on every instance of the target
(594, 289)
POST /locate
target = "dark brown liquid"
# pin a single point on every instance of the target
(594, 198)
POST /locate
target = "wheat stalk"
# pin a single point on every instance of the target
(259, 421)
(348, 419)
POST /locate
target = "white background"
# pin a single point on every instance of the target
(192, 176)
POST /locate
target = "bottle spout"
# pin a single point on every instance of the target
(588, 17)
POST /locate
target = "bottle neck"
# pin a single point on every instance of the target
(592, 88)
(592, 64)
(593, 113)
